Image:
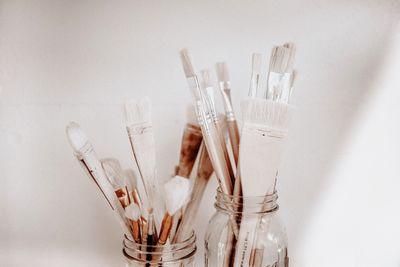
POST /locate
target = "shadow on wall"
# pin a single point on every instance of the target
(324, 122)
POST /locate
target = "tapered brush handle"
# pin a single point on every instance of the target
(234, 136)
(226, 154)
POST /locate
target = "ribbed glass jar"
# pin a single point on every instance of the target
(246, 231)
(179, 254)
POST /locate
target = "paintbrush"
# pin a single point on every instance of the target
(115, 176)
(88, 159)
(141, 136)
(233, 130)
(209, 98)
(281, 63)
(264, 131)
(204, 172)
(210, 136)
(132, 213)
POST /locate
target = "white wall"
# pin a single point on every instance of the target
(79, 60)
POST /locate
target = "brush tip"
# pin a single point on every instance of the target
(206, 78)
(187, 63)
(76, 136)
(131, 176)
(177, 191)
(132, 212)
(272, 114)
(113, 171)
(138, 111)
(222, 72)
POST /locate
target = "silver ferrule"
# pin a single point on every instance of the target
(230, 115)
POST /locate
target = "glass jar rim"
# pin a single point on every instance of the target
(180, 251)
(246, 204)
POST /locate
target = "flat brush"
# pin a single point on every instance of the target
(265, 125)
(87, 157)
(190, 145)
(210, 136)
(233, 130)
(141, 136)
(204, 172)
(113, 171)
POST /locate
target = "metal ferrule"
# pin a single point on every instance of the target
(230, 115)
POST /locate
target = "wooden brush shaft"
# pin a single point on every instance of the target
(234, 137)
(165, 229)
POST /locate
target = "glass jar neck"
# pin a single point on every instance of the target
(156, 255)
(246, 205)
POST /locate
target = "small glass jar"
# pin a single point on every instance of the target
(179, 254)
(246, 231)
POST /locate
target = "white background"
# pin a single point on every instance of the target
(79, 60)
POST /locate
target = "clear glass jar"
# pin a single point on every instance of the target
(179, 254)
(246, 231)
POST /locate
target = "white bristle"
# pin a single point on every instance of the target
(282, 58)
(222, 72)
(145, 211)
(176, 193)
(206, 79)
(191, 116)
(279, 59)
(292, 54)
(113, 171)
(138, 111)
(187, 63)
(132, 212)
(76, 136)
(256, 63)
(266, 112)
(131, 177)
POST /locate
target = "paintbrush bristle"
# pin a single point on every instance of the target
(256, 64)
(222, 72)
(291, 56)
(206, 79)
(138, 111)
(132, 212)
(76, 136)
(187, 63)
(113, 171)
(191, 116)
(282, 58)
(176, 193)
(265, 112)
(131, 177)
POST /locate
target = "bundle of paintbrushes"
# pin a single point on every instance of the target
(146, 217)
(246, 165)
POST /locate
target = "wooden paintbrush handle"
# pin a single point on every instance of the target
(234, 136)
